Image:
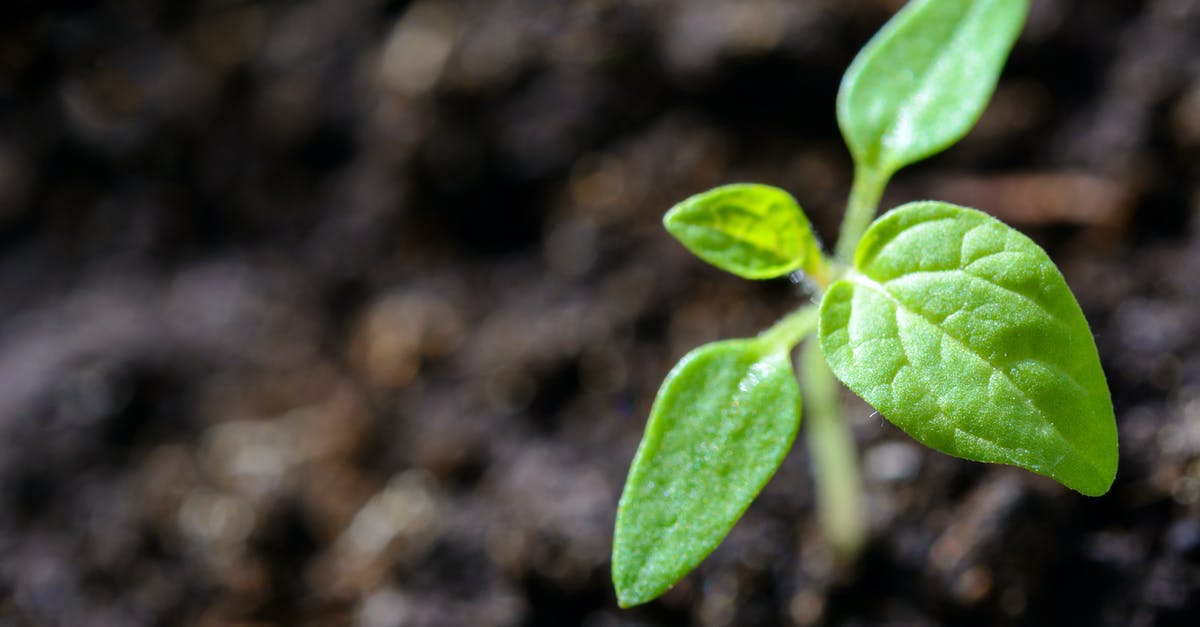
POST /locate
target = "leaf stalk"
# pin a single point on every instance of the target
(865, 194)
(791, 329)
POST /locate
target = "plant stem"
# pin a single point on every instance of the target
(830, 441)
(865, 193)
(792, 328)
(831, 446)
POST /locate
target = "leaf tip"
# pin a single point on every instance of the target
(669, 217)
(625, 601)
(1098, 471)
(1095, 493)
(672, 223)
(1098, 484)
(630, 592)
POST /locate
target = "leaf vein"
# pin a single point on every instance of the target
(870, 284)
(960, 271)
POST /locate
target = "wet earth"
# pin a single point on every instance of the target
(335, 312)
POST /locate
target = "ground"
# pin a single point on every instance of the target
(336, 312)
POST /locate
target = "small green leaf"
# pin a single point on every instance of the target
(724, 419)
(754, 231)
(924, 79)
(962, 332)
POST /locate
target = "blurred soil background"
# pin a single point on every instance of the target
(337, 312)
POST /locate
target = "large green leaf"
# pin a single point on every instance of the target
(962, 332)
(724, 419)
(754, 231)
(924, 79)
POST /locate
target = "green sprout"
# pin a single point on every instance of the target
(957, 328)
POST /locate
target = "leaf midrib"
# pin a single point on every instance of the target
(777, 257)
(867, 282)
(962, 272)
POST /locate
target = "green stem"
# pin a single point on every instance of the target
(865, 194)
(840, 505)
(831, 446)
(792, 328)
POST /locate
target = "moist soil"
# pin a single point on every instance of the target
(339, 312)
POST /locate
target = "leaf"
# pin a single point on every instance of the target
(921, 83)
(962, 332)
(724, 419)
(754, 231)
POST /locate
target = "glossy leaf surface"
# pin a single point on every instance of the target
(724, 418)
(925, 78)
(963, 333)
(754, 231)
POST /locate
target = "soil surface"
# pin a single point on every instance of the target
(336, 312)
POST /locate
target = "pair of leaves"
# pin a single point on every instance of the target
(727, 413)
(916, 88)
(958, 329)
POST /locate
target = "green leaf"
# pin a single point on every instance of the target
(921, 83)
(724, 419)
(754, 231)
(962, 332)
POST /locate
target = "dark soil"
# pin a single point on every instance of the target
(338, 312)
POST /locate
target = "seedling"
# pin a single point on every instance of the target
(955, 327)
